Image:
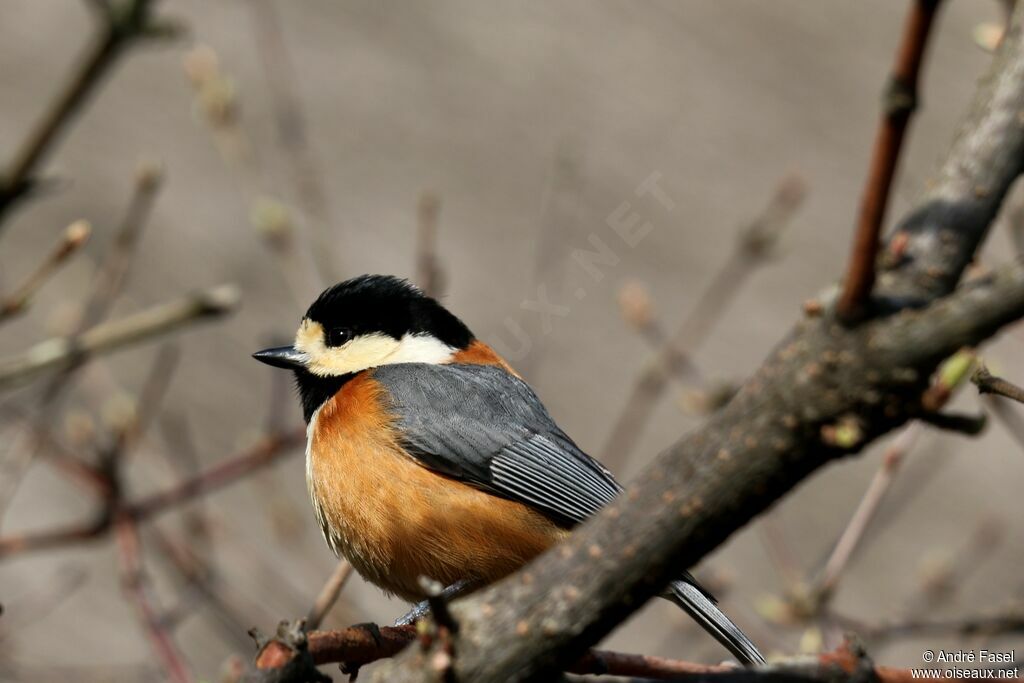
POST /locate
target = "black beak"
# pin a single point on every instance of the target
(287, 357)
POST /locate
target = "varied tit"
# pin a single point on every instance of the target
(427, 454)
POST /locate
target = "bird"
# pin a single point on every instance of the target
(427, 455)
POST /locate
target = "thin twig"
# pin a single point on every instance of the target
(899, 103)
(123, 26)
(988, 383)
(1010, 418)
(267, 451)
(72, 239)
(855, 529)
(133, 583)
(113, 270)
(328, 595)
(202, 584)
(61, 352)
(754, 246)
(951, 375)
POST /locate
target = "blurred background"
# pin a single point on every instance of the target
(480, 147)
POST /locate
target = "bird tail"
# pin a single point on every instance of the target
(702, 608)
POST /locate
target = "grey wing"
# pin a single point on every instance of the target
(486, 427)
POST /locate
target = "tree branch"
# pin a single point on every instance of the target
(267, 451)
(124, 25)
(63, 352)
(74, 236)
(899, 104)
(771, 435)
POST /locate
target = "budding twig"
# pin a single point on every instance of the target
(73, 237)
(61, 352)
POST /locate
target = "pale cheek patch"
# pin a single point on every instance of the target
(359, 354)
(367, 351)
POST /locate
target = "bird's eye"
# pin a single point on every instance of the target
(336, 336)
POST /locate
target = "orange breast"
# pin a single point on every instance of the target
(396, 520)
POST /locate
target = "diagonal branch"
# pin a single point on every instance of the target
(61, 352)
(773, 434)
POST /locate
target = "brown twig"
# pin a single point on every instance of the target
(267, 451)
(123, 26)
(61, 352)
(72, 239)
(357, 646)
(754, 246)
(855, 529)
(284, 661)
(202, 583)
(899, 103)
(328, 595)
(112, 272)
(133, 584)
(988, 383)
(949, 378)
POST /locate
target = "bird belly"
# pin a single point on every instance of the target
(395, 520)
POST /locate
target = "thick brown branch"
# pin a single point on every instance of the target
(900, 102)
(867, 379)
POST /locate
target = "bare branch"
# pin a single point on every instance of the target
(72, 239)
(930, 248)
(231, 470)
(135, 590)
(952, 375)
(753, 247)
(62, 352)
(123, 26)
(988, 383)
(770, 436)
(900, 102)
(328, 595)
(113, 270)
